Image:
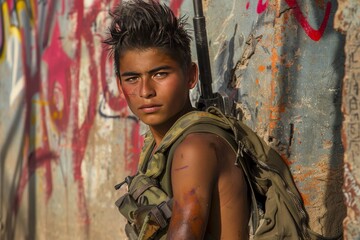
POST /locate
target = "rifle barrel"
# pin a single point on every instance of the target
(202, 51)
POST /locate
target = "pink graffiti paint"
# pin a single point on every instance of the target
(115, 102)
(61, 86)
(175, 6)
(261, 7)
(59, 80)
(133, 147)
(11, 4)
(247, 5)
(81, 134)
(311, 32)
(40, 158)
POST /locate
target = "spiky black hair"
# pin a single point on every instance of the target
(139, 24)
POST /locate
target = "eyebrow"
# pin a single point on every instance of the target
(152, 71)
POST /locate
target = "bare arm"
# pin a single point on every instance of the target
(194, 173)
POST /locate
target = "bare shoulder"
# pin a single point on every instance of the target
(194, 173)
(208, 188)
(197, 151)
(205, 160)
(208, 145)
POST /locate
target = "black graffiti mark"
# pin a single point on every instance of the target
(354, 130)
(354, 36)
(354, 76)
(353, 104)
(102, 112)
(354, 147)
(354, 60)
(354, 85)
(354, 117)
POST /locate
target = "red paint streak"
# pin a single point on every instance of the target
(80, 134)
(247, 5)
(40, 158)
(11, 4)
(312, 33)
(68, 78)
(133, 148)
(59, 80)
(83, 32)
(116, 103)
(175, 6)
(261, 7)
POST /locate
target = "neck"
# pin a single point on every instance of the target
(159, 131)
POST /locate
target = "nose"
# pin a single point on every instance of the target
(146, 88)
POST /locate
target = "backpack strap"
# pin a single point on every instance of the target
(153, 165)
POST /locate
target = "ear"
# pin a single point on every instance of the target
(193, 75)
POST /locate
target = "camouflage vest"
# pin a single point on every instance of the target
(277, 208)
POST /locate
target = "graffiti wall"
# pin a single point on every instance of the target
(283, 63)
(67, 136)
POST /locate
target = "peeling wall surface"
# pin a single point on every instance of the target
(347, 20)
(67, 136)
(283, 63)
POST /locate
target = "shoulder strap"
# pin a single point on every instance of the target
(153, 166)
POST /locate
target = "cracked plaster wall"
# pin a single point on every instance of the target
(347, 20)
(282, 63)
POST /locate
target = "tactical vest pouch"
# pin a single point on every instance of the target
(146, 191)
(145, 207)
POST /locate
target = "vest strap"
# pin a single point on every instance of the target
(161, 213)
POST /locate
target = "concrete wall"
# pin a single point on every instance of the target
(283, 63)
(66, 136)
(347, 20)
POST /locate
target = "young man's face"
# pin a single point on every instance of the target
(155, 86)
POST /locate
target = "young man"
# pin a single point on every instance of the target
(152, 58)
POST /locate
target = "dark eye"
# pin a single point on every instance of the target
(160, 75)
(131, 79)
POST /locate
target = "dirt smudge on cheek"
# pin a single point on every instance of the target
(129, 91)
